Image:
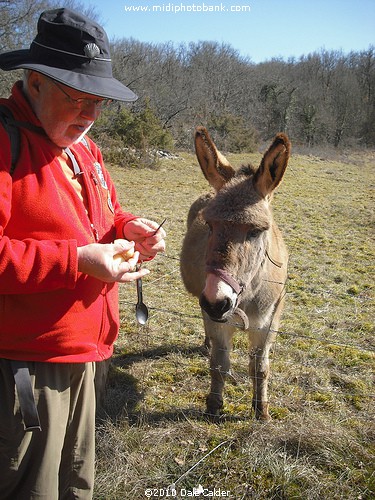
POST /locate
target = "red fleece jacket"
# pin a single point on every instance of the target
(48, 310)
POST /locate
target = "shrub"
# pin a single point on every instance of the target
(232, 134)
(130, 138)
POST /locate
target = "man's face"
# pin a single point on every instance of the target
(63, 118)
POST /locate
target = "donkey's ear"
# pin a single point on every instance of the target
(214, 165)
(273, 165)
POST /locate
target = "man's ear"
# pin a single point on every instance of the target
(34, 82)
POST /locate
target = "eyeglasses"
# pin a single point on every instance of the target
(83, 101)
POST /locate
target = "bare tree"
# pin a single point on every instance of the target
(323, 97)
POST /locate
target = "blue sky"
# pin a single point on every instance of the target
(258, 29)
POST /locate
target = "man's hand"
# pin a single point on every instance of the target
(101, 261)
(147, 242)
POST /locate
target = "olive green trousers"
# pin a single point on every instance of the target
(56, 462)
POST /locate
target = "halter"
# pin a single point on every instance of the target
(227, 278)
(238, 287)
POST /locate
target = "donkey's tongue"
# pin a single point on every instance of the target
(243, 317)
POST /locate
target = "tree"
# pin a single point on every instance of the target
(130, 136)
(231, 133)
(325, 97)
(364, 68)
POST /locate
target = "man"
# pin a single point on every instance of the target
(61, 227)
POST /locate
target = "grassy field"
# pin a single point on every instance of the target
(152, 432)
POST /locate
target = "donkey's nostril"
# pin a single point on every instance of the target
(223, 306)
(215, 310)
(203, 302)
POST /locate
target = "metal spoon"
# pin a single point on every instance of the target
(141, 310)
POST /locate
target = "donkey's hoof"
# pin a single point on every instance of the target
(261, 411)
(213, 408)
(214, 404)
(263, 417)
(212, 415)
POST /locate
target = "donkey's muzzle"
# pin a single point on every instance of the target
(217, 311)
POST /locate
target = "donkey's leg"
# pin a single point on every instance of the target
(220, 337)
(261, 341)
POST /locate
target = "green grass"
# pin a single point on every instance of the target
(320, 444)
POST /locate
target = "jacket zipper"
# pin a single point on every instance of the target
(90, 209)
(95, 232)
(96, 235)
(99, 196)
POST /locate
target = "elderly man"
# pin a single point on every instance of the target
(61, 228)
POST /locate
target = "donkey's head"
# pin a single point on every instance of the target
(240, 223)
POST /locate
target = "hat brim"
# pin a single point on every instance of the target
(106, 87)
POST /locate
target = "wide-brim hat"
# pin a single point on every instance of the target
(73, 50)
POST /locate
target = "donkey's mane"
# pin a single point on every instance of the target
(247, 170)
(238, 202)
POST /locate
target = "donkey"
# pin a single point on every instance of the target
(234, 259)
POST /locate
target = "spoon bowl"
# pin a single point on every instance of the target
(141, 310)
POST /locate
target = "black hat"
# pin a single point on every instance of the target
(73, 50)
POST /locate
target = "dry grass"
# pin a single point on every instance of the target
(320, 444)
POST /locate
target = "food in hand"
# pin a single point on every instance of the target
(124, 256)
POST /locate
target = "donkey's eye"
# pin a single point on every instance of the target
(253, 233)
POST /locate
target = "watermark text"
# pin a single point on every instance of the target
(178, 8)
(199, 491)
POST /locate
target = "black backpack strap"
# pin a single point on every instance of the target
(25, 393)
(11, 127)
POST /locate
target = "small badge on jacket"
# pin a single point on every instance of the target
(99, 171)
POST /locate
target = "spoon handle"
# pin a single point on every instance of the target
(139, 290)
